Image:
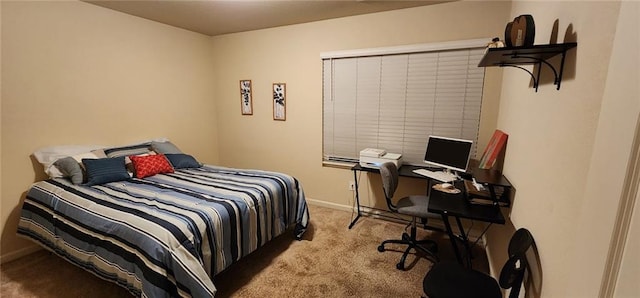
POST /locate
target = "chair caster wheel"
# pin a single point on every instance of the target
(381, 248)
(400, 266)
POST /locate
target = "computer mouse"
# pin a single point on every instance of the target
(446, 185)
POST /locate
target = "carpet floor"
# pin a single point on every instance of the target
(331, 261)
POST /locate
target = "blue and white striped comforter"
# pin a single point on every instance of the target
(165, 235)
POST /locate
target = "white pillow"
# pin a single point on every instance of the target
(48, 155)
(53, 171)
(88, 155)
(142, 142)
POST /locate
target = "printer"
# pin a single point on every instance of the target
(373, 158)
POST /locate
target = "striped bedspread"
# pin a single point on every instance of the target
(165, 235)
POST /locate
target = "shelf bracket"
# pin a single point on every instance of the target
(533, 77)
(557, 74)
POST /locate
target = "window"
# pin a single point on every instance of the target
(394, 98)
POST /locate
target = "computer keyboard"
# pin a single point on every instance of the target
(438, 175)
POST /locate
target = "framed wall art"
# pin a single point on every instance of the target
(246, 100)
(279, 101)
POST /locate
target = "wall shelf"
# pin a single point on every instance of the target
(538, 55)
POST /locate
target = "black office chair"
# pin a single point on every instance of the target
(448, 279)
(414, 206)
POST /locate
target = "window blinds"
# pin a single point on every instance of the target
(395, 101)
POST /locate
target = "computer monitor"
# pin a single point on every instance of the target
(449, 153)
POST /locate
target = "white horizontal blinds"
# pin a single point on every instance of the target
(393, 91)
(344, 85)
(421, 103)
(327, 105)
(368, 103)
(396, 101)
(473, 97)
(458, 94)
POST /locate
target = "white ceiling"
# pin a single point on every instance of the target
(215, 17)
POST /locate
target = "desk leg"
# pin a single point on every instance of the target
(355, 180)
(465, 241)
(452, 237)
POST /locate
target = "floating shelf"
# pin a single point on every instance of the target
(539, 54)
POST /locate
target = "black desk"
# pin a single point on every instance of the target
(452, 205)
(457, 206)
(403, 171)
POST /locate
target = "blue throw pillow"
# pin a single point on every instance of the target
(180, 161)
(104, 170)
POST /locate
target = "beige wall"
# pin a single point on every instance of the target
(58, 59)
(568, 149)
(291, 54)
(75, 73)
(617, 124)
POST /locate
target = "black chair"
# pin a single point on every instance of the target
(448, 279)
(414, 206)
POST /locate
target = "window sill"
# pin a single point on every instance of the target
(338, 165)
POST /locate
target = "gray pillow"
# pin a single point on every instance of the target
(69, 167)
(165, 148)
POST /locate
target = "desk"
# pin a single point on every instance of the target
(452, 205)
(403, 171)
(457, 206)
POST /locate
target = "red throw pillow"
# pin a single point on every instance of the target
(150, 165)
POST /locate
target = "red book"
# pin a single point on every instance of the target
(492, 141)
(491, 160)
(494, 147)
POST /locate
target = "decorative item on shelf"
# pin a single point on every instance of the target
(520, 32)
(246, 102)
(496, 43)
(279, 101)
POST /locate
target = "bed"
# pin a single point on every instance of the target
(168, 234)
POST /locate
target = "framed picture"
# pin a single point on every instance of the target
(246, 102)
(279, 101)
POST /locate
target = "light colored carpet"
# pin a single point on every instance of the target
(331, 261)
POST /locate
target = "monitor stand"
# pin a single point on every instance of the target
(445, 170)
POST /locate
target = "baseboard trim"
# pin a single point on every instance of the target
(366, 211)
(329, 205)
(14, 255)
